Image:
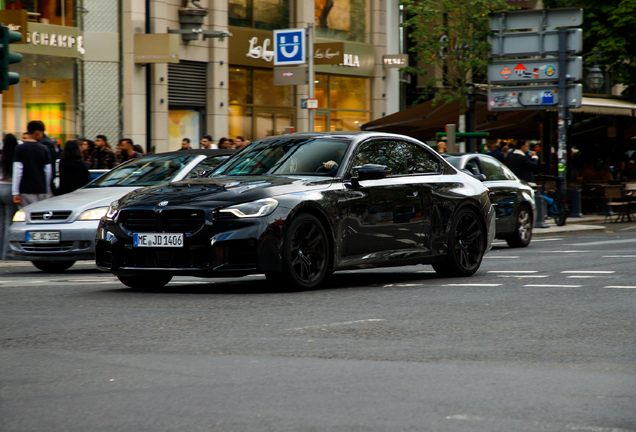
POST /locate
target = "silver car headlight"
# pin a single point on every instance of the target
(19, 216)
(93, 214)
(112, 210)
(252, 209)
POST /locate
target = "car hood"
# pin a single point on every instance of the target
(80, 200)
(212, 192)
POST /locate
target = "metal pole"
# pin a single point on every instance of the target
(310, 64)
(563, 112)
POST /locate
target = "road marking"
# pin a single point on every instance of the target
(625, 287)
(524, 276)
(513, 271)
(554, 286)
(427, 271)
(589, 271)
(338, 324)
(500, 257)
(474, 285)
(619, 256)
(568, 251)
(546, 239)
(590, 277)
(604, 242)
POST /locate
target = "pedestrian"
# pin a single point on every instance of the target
(206, 142)
(72, 171)
(45, 140)
(32, 172)
(441, 147)
(497, 153)
(225, 143)
(239, 142)
(185, 144)
(103, 157)
(88, 147)
(138, 149)
(7, 206)
(58, 147)
(522, 162)
(126, 150)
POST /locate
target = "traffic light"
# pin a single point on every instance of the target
(7, 57)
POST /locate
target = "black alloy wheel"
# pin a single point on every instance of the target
(305, 253)
(466, 246)
(523, 228)
(53, 266)
(145, 282)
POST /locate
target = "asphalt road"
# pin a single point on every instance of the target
(540, 339)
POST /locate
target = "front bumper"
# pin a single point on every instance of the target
(77, 241)
(225, 248)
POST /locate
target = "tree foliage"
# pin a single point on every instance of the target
(450, 36)
(609, 26)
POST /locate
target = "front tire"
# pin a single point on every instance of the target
(145, 282)
(305, 253)
(53, 266)
(466, 246)
(523, 229)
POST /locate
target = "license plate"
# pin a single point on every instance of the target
(158, 240)
(43, 237)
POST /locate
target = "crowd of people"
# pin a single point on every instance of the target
(224, 143)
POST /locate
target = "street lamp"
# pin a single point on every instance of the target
(595, 78)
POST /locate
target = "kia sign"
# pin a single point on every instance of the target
(289, 47)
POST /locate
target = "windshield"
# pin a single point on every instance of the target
(287, 156)
(147, 171)
(454, 161)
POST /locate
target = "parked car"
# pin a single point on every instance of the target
(512, 198)
(56, 232)
(298, 207)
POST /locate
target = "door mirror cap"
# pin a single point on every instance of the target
(369, 172)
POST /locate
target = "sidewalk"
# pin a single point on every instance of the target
(583, 225)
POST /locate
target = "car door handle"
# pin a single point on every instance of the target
(411, 193)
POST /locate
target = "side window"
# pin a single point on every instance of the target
(473, 166)
(206, 164)
(418, 160)
(492, 169)
(389, 153)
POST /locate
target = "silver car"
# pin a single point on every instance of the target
(56, 232)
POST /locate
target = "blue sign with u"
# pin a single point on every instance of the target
(289, 47)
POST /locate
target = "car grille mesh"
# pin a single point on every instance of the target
(169, 221)
(50, 216)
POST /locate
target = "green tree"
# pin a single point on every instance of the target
(609, 27)
(450, 36)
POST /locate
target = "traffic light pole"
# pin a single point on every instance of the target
(564, 112)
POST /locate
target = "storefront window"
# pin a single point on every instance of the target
(46, 92)
(260, 14)
(344, 103)
(56, 12)
(240, 85)
(342, 19)
(266, 93)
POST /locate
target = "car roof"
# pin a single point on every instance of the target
(207, 152)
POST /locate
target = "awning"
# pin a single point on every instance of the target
(425, 120)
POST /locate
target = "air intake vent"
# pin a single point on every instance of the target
(187, 84)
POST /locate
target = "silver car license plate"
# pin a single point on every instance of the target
(157, 240)
(43, 237)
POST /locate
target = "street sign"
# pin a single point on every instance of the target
(532, 70)
(532, 97)
(289, 47)
(530, 43)
(298, 75)
(518, 20)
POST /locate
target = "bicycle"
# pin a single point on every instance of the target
(558, 208)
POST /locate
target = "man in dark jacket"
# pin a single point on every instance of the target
(497, 153)
(522, 162)
(103, 157)
(32, 171)
(126, 150)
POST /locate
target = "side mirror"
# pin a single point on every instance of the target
(479, 177)
(369, 172)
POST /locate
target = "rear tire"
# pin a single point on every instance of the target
(523, 229)
(466, 246)
(53, 266)
(145, 282)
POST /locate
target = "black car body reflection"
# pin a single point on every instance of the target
(512, 198)
(298, 207)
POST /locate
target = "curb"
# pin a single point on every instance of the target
(568, 229)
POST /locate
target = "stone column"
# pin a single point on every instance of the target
(133, 75)
(305, 14)
(159, 119)
(217, 79)
(379, 40)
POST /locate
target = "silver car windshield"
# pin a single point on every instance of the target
(314, 156)
(147, 171)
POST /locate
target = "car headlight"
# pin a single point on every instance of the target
(19, 216)
(252, 209)
(112, 210)
(93, 214)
